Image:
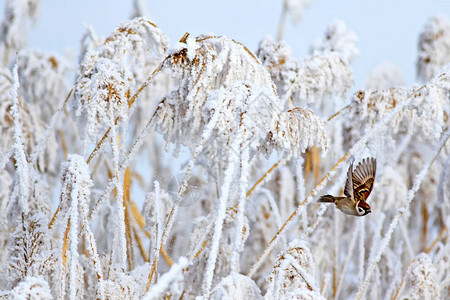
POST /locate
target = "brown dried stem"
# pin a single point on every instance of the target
(65, 243)
(126, 200)
(267, 250)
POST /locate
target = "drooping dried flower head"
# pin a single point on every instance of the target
(293, 274)
(225, 93)
(109, 74)
(434, 48)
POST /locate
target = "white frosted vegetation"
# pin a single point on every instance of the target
(434, 47)
(17, 20)
(108, 74)
(199, 166)
(308, 81)
(338, 39)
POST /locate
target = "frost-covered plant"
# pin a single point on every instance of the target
(108, 75)
(28, 250)
(338, 39)
(308, 81)
(383, 76)
(293, 274)
(15, 25)
(199, 165)
(434, 48)
(43, 81)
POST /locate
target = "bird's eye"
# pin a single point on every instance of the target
(360, 210)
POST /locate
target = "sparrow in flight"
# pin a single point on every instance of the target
(357, 189)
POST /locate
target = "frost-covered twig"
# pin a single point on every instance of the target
(218, 224)
(175, 273)
(50, 128)
(244, 170)
(19, 151)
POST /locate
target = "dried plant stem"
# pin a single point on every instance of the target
(336, 114)
(92, 248)
(139, 219)
(140, 245)
(441, 233)
(425, 216)
(20, 156)
(63, 143)
(374, 130)
(48, 131)
(275, 239)
(401, 210)
(240, 215)
(281, 161)
(110, 185)
(52, 221)
(403, 279)
(65, 243)
(343, 270)
(120, 236)
(336, 235)
(125, 162)
(204, 137)
(130, 102)
(218, 224)
(126, 200)
(168, 226)
(263, 177)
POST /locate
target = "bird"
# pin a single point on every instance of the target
(358, 186)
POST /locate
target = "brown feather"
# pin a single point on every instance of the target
(348, 191)
(363, 179)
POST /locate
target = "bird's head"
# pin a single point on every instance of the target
(362, 208)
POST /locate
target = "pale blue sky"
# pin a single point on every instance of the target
(387, 29)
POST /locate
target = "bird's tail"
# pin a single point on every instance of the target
(327, 199)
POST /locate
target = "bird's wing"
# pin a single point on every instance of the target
(363, 178)
(348, 191)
